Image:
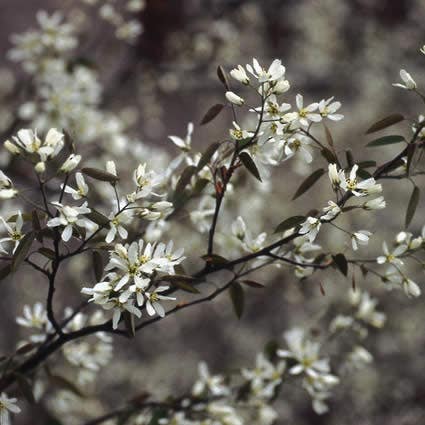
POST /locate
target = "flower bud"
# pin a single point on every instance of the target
(234, 98)
(71, 163)
(40, 167)
(11, 147)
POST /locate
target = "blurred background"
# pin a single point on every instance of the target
(352, 50)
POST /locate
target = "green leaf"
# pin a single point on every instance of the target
(25, 387)
(237, 297)
(98, 265)
(222, 76)
(185, 177)
(182, 282)
(270, 349)
(101, 175)
(252, 284)
(289, 223)
(410, 153)
(200, 186)
(129, 323)
(386, 140)
(214, 259)
(341, 263)
(5, 271)
(363, 173)
(98, 218)
(26, 348)
(385, 122)
(366, 164)
(249, 164)
(329, 156)
(212, 113)
(243, 142)
(411, 207)
(349, 157)
(309, 182)
(328, 134)
(207, 155)
(22, 250)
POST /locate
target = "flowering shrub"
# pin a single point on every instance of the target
(118, 208)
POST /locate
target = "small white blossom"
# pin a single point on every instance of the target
(409, 82)
(310, 228)
(360, 237)
(7, 406)
(70, 163)
(234, 98)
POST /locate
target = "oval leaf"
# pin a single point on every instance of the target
(386, 140)
(309, 182)
(5, 271)
(207, 155)
(184, 180)
(329, 156)
(238, 298)
(101, 175)
(341, 262)
(22, 250)
(97, 265)
(252, 284)
(411, 208)
(289, 223)
(212, 113)
(98, 218)
(249, 164)
(222, 76)
(385, 122)
(214, 259)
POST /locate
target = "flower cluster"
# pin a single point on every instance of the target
(129, 282)
(406, 245)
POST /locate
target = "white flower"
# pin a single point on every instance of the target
(306, 353)
(275, 72)
(153, 301)
(240, 75)
(299, 143)
(411, 288)
(375, 204)
(238, 134)
(335, 176)
(69, 217)
(213, 384)
(310, 228)
(366, 309)
(332, 210)
(327, 109)
(14, 231)
(305, 115)
(234, 98)
(184, 144)
(70, 163)
(360, 237)
(145, 182)
(35, 318)
(239, 228)
(117, 220)
(391, 257)
(82, 188)
(28, 141)
(409, 82)
(7, 406)
(363, 188)
(7, 191)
